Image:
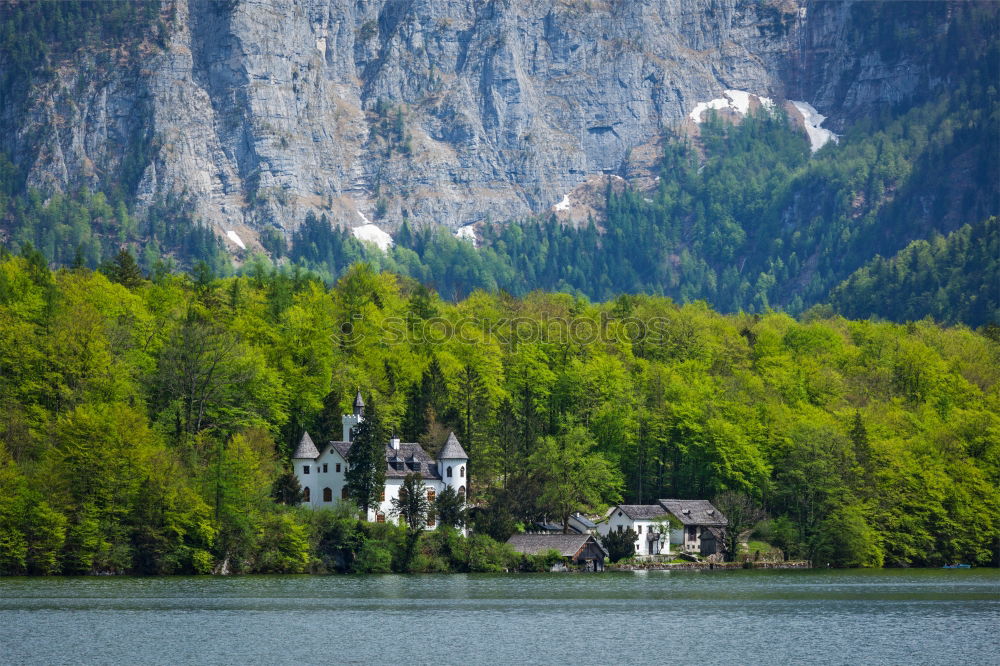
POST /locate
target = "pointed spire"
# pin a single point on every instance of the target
(359, 404)
(452, 449)
(306, 449)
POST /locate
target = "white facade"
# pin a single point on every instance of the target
(695, 517)
(644, 527)
(322, 470)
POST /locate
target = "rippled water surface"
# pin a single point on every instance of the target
(728, 617)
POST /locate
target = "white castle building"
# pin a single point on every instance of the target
(321, 470)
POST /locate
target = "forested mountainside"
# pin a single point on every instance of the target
(953, 278)
(144, 423)
(211, 131)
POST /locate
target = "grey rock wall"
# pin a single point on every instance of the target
(436, 111)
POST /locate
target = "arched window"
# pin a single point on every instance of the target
(461, 472)
(431, 494)
(449, 472)
(327, 495)
(461, 492)
(343, 493)
(305, 494)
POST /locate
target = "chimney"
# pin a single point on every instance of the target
(394, 443)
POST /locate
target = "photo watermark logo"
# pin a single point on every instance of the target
(505, 331)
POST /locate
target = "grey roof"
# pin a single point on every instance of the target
(642, 511)
(410, 458)
(695, 512)
(568, 545)
(306, 448)
(583, 520)
(358, 400)
(551, 527)
(452, 449)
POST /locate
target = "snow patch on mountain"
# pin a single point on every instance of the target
(737, 101)
(818, 137)
(235, 237)
(468, 232)
(371, 233)
(740, 101)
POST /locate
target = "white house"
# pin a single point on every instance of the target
(698, 518)
(648, 522)
(321, 470)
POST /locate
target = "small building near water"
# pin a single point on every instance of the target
(582, 550)
(692, 526)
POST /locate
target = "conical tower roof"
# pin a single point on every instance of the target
(452, 449)
(306, 448)
(358, 400)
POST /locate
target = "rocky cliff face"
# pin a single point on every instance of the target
(436, 111)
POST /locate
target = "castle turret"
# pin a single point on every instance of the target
(351, 421)
(305, 468)
(453, 464)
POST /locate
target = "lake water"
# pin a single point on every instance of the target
(728, 617)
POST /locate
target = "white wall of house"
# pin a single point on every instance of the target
(687, 538)
(327, 471)
(620, 519)
(392, 487)
(459, 474)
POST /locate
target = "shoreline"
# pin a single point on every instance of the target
(706, 566)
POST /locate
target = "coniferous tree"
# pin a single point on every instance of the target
(859, 440)
(449, 508)
(412, 504)
(473, 406)
(619, 544)
(124, 270)
(366, 460)
(286, 489)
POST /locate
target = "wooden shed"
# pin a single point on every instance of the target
(578, 549)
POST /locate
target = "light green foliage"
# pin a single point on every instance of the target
(573, 477)
(847, 539)
(144, 428)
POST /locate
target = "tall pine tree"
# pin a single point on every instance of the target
(366, 460)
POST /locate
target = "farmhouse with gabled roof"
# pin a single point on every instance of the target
(651, 523)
